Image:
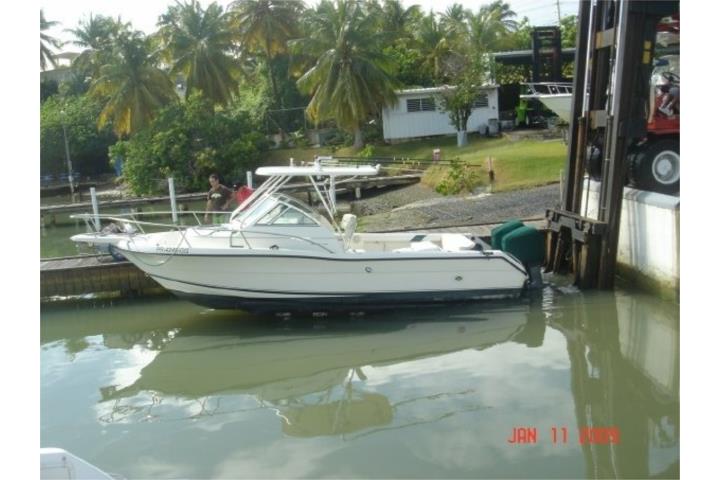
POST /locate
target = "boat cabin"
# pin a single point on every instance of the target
(278, 221)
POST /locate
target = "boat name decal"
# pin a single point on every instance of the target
(172, 250)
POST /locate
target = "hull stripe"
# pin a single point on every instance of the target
(326, 294)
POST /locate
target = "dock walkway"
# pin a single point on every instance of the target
(341, 187)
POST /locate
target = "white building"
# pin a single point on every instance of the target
(418, 113)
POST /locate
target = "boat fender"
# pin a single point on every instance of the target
(115, 254)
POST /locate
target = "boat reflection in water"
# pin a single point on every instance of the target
(312, 373)
(432, 393)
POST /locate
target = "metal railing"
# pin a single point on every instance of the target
(129, 219)
(549, 88)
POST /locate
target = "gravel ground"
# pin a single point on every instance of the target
(385, 200)
(437, 211)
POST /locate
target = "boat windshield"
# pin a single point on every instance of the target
(281, 209)
(260, 208)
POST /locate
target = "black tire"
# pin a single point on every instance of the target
(116, 255)
(656, 167)
(593, 160)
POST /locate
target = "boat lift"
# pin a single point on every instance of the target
(613, 62)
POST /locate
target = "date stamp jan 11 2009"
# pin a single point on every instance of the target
(564, 435)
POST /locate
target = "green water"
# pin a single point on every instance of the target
(166, 389)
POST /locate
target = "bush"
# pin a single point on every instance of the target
(339, 138)
(373, 132)
(298, 139)
(88, 146)
(367, 152)
(459, 178)
(189, 141)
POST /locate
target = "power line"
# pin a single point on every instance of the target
(546, 6)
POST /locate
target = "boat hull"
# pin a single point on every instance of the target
(558, 103)
(286, 283)
(366, 302)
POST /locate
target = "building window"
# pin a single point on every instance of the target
(481, 101)
(420, 104)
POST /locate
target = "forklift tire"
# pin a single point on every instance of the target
(656, 167)
(593, 161)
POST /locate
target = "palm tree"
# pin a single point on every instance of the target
(351, 78)
(397, 19)
(198, 45)
(503, 14)
(46, 41)
(131, 86)
(491, 26)
(435, 46)
(265, 26)
(453, 21)
(96, 36)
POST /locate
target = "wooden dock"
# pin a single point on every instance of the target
(342, 186)
(97, 274)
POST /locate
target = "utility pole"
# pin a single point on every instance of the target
(557, 2)
(67, 155)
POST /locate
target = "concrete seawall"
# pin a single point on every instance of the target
(649, 244)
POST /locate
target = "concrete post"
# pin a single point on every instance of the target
(96, 210)
(173, 204)
(332, 193)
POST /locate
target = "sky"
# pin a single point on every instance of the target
(144, 13)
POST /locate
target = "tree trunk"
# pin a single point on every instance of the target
(359, 143)
(273, 85)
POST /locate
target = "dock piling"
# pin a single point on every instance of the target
(173, 202)
(95, 209)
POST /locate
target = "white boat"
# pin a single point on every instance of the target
(277, 254)
(555, 96)
(56, 464)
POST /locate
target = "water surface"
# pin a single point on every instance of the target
(166, 389)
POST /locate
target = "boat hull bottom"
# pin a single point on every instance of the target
(359, 303)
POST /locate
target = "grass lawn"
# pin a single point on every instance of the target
(517, 164)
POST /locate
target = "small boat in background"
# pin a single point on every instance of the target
(56, 463)
(555, 96)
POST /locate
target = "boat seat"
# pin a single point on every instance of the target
(456, 242)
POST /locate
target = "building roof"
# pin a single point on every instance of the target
(429, 90)
(68, 55)
(524, 57)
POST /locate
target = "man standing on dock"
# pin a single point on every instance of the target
(219, 197)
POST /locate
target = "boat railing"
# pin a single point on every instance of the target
(133, 219)
(129, 224)
(549, 88)
(123, 220)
